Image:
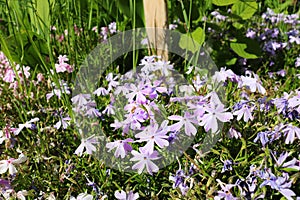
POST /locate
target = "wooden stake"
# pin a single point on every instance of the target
(156, 19)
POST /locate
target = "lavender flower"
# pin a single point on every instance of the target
(122, 147)
(144, 158)
(187, 121)
(213, 113)
(152, 134)
(245, 111)
(290, 132)
(225, 192)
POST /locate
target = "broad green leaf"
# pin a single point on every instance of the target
(231, 62)
(42, 8)
(246, 48)
(244, 9)
(223, 2)
(193, 41)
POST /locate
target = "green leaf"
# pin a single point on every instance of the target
(244, 9)
(246, 48)
(231, 62)
(223, 2)
(193, 41)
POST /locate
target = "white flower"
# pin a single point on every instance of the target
(87, 144)
(82, 196)
(253, 83)
(26, 125)
(9, 164)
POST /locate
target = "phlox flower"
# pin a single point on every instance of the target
(263, 137)
(223, 75)
(245, 111)
(153, 135)
(227, 166)
(297, 62)
(112, 27)
(280, 162)
(179, 180)
(88, 144)
(290, 132)
(101, 91)
(294, 102)
(253, 83)
(28, 124)
(122, 195)
(187, 121)
(283, 185)
(144, 159)
(9, 76)
(9, 164)
(64, 121)
(121, 146)
(225, 192)
(83, 196)
(81, 99)
(58, 91)
(138, 93)
(213, 114)
(234, 134)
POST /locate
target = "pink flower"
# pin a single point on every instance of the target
(9, 76)
(144, 159)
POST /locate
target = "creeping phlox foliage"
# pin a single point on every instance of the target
(150, 113)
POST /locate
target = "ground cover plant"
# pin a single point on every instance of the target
(169, 129)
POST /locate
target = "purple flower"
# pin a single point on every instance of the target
(101, 91)
(180, 181)
(263, 137)
(269, 178)
(250, 34)
(122, 147)
(81, 99)
(253, 83)
(138, 93)
(144, 159)
(112, 27)
(129, 196)
(297, 63)
(187, 121)
(281, 73)
(227, 166)
(290, 164)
